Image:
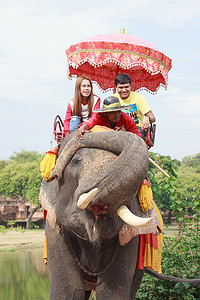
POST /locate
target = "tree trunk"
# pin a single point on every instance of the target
(28, 220)
(169, 220)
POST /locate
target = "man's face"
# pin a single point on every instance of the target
(124, 90)
(114, 116)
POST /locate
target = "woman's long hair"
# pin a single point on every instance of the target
(77, 97)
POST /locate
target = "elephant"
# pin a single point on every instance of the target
(92, 194)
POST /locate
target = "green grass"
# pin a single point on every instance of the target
(171, 230)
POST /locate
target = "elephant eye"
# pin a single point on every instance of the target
(76, 160)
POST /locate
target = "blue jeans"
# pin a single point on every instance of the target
(74, 123)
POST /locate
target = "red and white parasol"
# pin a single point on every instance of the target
(102, 57)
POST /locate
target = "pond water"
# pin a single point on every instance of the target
(23, 275)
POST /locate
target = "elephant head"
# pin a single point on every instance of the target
(94, 182)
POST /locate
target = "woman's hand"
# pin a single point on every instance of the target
(82, 130)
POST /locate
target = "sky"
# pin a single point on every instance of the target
(34, 88)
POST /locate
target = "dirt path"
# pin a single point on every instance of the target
(21, 239)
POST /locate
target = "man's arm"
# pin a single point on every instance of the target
(96, 119)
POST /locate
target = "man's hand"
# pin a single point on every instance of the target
(82, 130)
(145, 123)
(121, 128)
(146, 120)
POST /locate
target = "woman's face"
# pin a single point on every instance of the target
(85, 88)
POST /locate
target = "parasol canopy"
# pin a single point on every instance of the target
(103, 56)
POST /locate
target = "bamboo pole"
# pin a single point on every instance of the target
(158, 167)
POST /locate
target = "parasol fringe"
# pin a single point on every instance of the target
(135, 64)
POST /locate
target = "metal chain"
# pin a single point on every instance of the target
(85, 270)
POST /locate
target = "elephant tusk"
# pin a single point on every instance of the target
(86, 198)
(128, 217)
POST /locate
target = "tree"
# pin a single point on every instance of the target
(184, 180)
(20, 176)
(188, 175)
(164, 189)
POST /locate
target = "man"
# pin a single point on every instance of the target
(110, 116)
(138, 109)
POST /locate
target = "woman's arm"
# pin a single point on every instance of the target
(67, 119)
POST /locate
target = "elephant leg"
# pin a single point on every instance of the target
(65, 280)
(116, 282)
(137, 279)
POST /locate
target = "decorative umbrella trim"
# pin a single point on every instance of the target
(96, 65)
(121, 52)
(109, 47)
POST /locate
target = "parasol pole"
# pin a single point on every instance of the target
(122, 31)
(158, 167)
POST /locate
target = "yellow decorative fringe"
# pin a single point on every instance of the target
(48, 163)
(45, 250)
(153, 257)
(45, 239)
(145, 196)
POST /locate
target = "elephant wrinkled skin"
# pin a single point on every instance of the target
(83, 239)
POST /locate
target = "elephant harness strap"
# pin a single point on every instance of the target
(149, 136)
(58, 129)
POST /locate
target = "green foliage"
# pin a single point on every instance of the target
(180, 256)
(192, 161)
(33, 226)
(3, 229)
(2, 164)
(164, 189)
(156, 289)
(20, 176)
(25, 156)
(188, 175)
(11, 224)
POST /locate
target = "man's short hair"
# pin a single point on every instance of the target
(122, 79)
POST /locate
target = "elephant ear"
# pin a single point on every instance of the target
(47, 199)
(156, 226)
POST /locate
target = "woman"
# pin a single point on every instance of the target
(80, 109)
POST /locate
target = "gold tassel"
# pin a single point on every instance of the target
(45, 239)
(145, 196)
(48, 163)
(45, 250)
